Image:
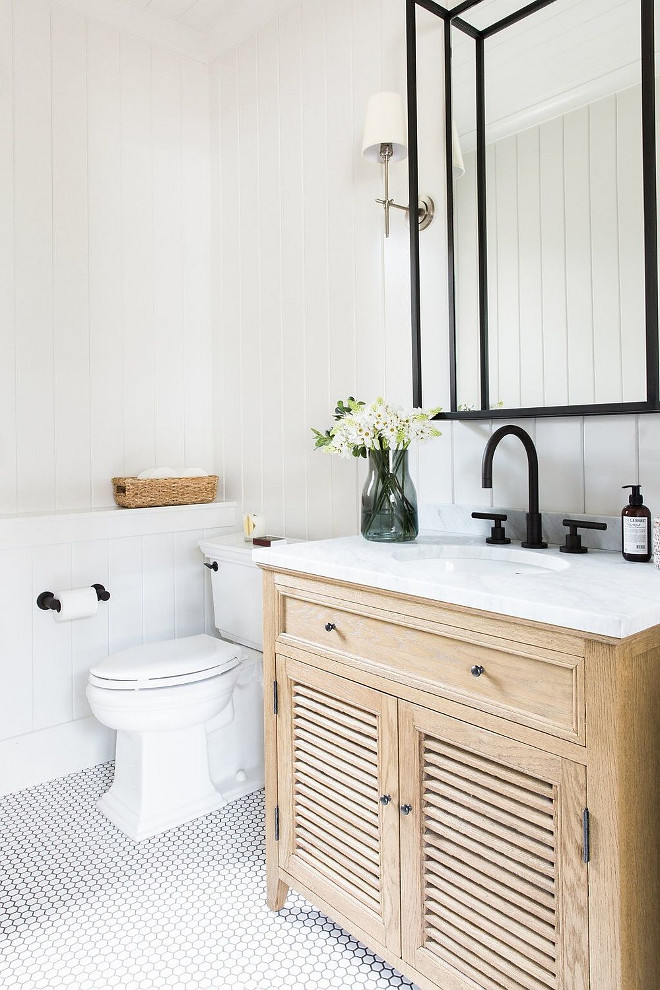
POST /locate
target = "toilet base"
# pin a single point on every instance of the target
(161, 781)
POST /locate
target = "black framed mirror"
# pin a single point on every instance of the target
(546, 114)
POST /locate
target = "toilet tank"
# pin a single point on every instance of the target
(236, 586)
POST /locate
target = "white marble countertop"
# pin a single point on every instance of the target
(598, 592)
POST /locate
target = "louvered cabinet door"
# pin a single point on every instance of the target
(337, 754)
(494, 888)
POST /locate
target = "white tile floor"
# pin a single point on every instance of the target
(83, 907)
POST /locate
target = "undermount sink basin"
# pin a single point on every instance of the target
(445, 561)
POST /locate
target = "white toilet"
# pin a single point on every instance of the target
(188, 712)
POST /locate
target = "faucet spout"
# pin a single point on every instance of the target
(534, 539)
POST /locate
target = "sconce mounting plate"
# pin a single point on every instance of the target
(425, 211)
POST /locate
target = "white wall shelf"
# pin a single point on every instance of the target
(50, 528)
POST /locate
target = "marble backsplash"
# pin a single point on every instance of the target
(446, 518)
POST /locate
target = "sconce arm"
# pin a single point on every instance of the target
(394, 206)
(425, 210)
(425, 206)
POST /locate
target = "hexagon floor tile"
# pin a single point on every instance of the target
(84, 908)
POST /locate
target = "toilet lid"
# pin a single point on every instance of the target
(174, 661)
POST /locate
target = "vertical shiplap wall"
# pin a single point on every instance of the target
(105, 278)
(313, 304)
(304, 314)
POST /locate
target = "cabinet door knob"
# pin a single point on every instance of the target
(477, 670)
(406, 809)
(329, 626)
(385, 799)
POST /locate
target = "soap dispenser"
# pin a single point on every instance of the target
(636, 528)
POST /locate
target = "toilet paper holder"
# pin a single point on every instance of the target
(47, 599)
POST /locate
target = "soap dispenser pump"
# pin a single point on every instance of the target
(636, 528)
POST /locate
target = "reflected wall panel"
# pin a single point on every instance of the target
(565, 261)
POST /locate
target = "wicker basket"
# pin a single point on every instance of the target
(131, 493)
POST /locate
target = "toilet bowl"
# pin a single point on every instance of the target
(188, 712)
(160, 697)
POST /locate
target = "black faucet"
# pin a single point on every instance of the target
(534, 539)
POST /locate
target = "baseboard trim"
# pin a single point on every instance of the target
(38, 757)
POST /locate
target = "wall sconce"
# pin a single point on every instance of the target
(384, 141)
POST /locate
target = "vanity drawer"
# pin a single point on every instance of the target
(523, 683)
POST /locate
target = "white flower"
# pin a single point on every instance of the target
(380, 426)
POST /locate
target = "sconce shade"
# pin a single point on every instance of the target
(385, 124)
(457, 154)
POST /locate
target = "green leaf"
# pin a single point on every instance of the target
(321, 439)
(347, 408)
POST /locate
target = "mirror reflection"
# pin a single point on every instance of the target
(559, 315)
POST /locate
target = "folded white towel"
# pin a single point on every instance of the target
(164, 472)
(168, 472)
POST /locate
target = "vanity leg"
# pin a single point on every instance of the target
(277, 891)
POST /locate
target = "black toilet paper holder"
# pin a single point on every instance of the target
(47, 599)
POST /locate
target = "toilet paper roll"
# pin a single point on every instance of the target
(79, 603)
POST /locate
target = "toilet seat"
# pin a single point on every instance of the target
(165, 664)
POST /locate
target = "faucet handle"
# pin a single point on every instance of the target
(497, 534)
(573, 542)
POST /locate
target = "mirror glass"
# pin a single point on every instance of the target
(565, 305)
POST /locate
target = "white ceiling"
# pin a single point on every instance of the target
(198, 14)
(201, 29)
(564, 56)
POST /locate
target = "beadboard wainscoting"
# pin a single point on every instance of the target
(105, 325)
(150, 562)
(313, 304)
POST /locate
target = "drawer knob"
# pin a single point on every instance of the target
(406, 809)
(477, 670)
(329, 626)
(385, 799)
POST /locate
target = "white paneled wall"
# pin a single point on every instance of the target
(105, 281)
(158, 591)
(583, 462)
(301, 318)
(313, 303)
(566, 261)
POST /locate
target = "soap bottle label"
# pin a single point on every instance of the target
(635, 535)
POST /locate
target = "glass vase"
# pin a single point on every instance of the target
(389, 499)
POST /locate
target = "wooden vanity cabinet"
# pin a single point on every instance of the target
(486, 829)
